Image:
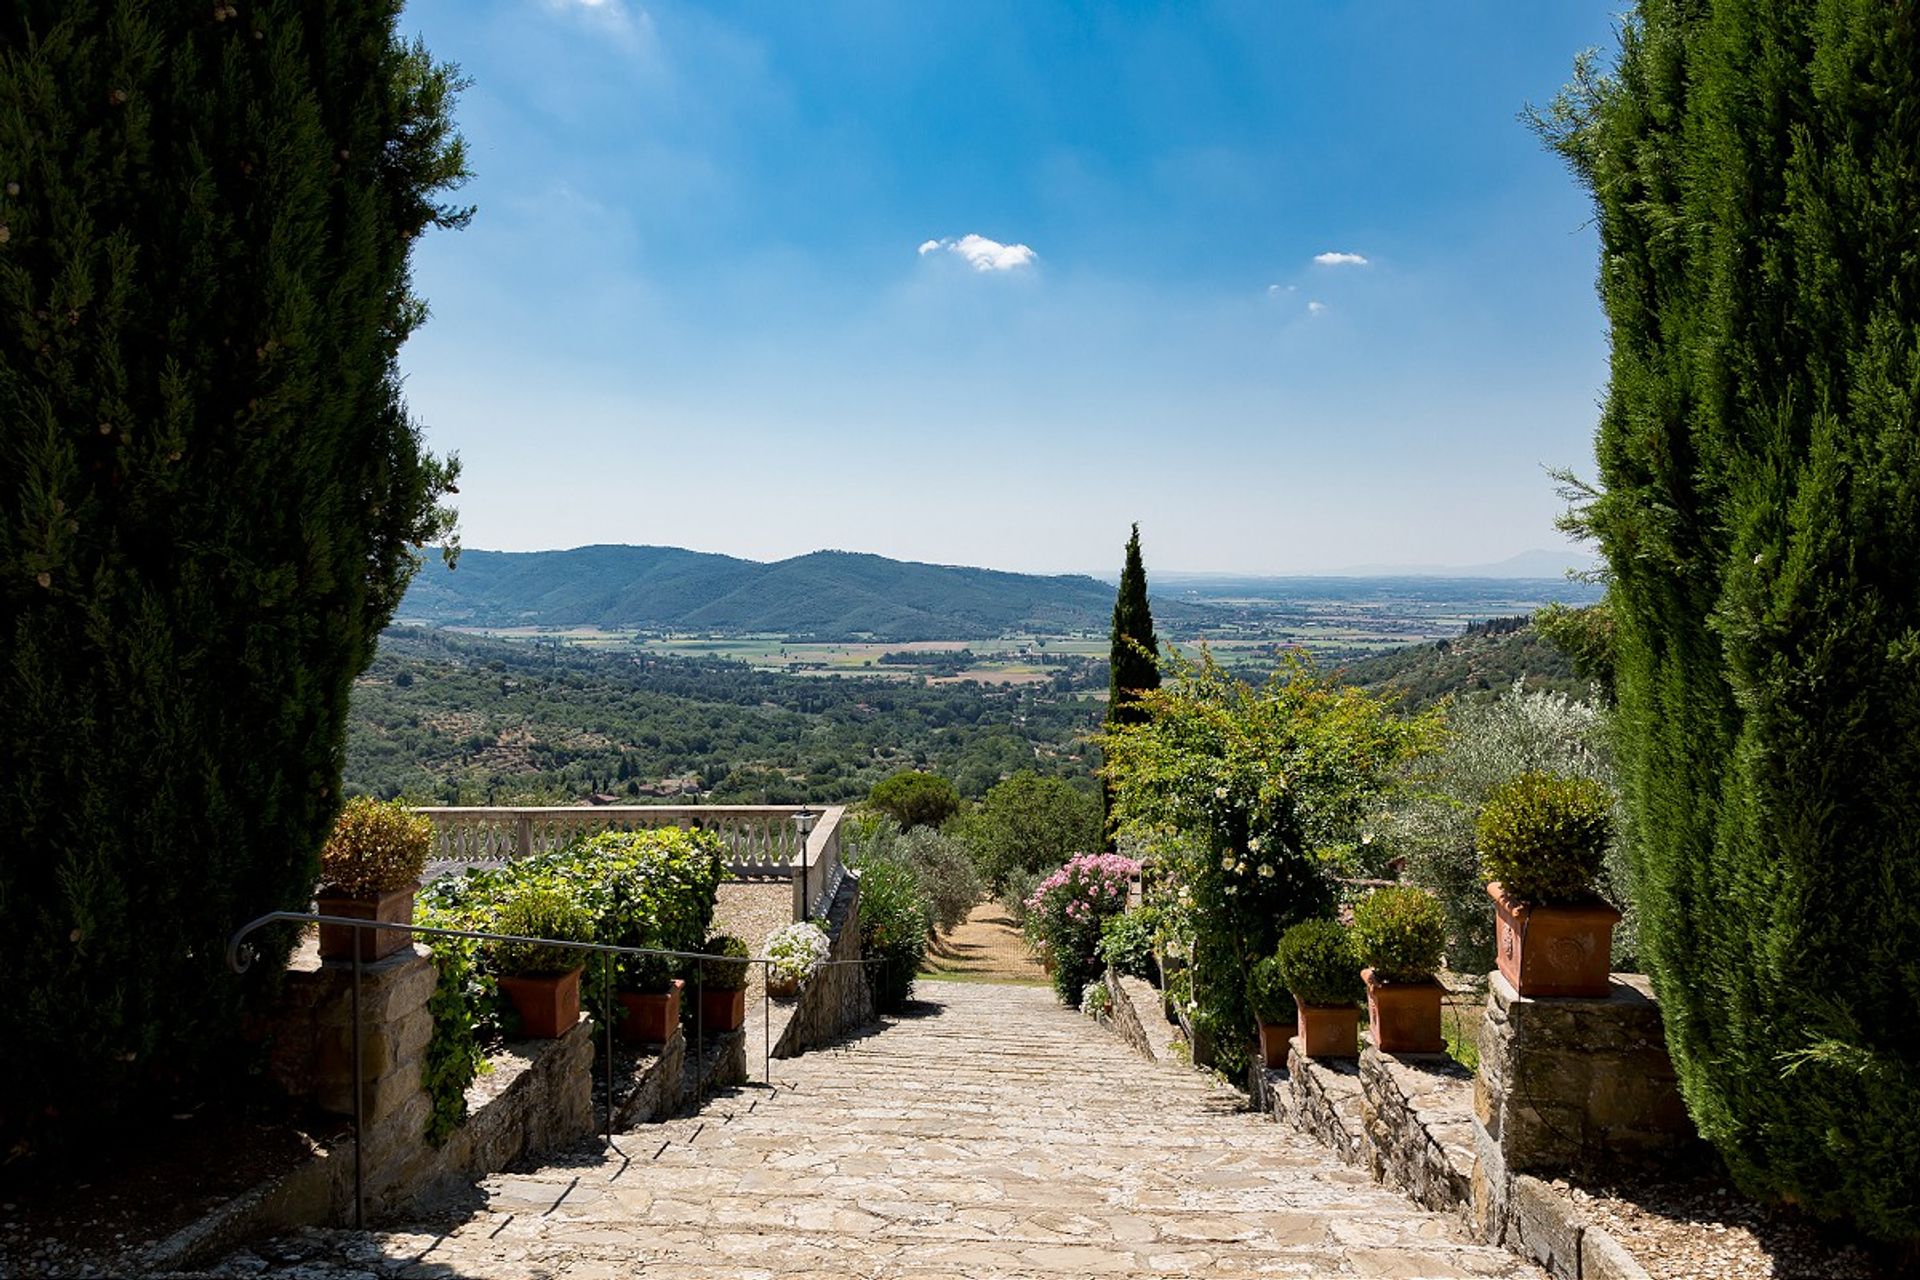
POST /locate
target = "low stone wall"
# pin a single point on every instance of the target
(838, 999)
(1320, 1098)
(1123, 1019)
(1417, 1111)
(661, 1083)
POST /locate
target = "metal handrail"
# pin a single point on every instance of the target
(241, 955)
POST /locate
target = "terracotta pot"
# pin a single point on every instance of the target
(548, 1003)
(1273, 1042)
(1405, 1015)
(722, 1011)
(1559, 950)
(337, 940)
(782, 988)
(1329, 1030)
(650, 1018)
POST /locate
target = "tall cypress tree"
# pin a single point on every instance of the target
(1756, 171)
(1134, 663)
(210, 489)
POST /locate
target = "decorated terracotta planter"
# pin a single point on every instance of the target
(650, 1018)
(1328, 1030)
(1405, 1015)
(1273, 1042)
(1559, 950)
(548, 1004)
(337, 940)
(722, 1011)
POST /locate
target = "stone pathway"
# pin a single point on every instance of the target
(993, 1134)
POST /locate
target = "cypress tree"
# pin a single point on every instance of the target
(210, 489)
(1756, 172)
(1133, 656)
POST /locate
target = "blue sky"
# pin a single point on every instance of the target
(720, 291)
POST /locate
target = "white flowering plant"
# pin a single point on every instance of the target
(796, 952)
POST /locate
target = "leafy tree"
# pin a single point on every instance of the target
(210, 489)
(1030, 824)
(1756, 173)
(1586, 637)
(915, 799)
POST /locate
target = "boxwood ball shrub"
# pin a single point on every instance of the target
(1400, 933)
(1267, 993)
(1316, 962)
(538, 912)
(729, 974)
(376, 846)
(1543, 837)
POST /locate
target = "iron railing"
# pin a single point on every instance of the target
(240, 957)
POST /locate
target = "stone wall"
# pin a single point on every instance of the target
(837, 1000)
(1417, 1111)
(1319, 1098)
(1123, 1019)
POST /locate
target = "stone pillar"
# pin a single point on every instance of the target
(1570, 1085)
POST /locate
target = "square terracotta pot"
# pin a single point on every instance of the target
(1273, 1043)
(650, 1018)
(1329, 1030)
(548, 1004)
(1405, 1015)
(1554, 950)
(337, 940)
(722, 1011)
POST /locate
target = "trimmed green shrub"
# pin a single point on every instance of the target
(1127, 941)
(894, 920)
(213, 491)
(1543, 837)
(724, 975)
(915, 799)
(1756, 177)
(1316, 962)
(538, 912)
(376, 846)
(1400, 933)
(1267, 995)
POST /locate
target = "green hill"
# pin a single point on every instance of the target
(824, 595)
(1487, 657)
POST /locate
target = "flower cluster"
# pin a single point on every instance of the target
(796, 951)
(1066, 912)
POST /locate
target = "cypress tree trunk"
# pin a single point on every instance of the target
(1133, 658)
(209, 491)
(1756, 169)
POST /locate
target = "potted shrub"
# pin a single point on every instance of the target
(543, 982)
(649, 994)
(370, 870)
(723, 984)
(1541, 840)
(1399, 934)
(1272, 1011)
(1317, 966)
(796, 952)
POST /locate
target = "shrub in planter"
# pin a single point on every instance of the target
(1068, 911)
(1316, 963)
(542, 981)
(796, 952)
(723, 982)
(370, 870)
(1399, 934)
(1542, 840)
(1272, 1006)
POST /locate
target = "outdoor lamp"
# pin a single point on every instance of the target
(804, 820)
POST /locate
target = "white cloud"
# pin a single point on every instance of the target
(1334, 258)
(1275, 290)
(1316, 308)
(983, 254)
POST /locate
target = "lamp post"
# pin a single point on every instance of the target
(802, 899)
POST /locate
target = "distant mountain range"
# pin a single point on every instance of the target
(826, 595)
(1528, 564)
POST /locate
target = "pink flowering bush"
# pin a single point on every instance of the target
(1065, 914)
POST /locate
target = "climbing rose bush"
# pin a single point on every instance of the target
(1066, 912)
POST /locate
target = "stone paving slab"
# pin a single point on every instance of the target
(993, 1134)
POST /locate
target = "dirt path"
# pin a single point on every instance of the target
(984, 948)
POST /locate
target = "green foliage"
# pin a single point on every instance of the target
(212, 491)
(1134, 665)
(1268, 998)
(1316, 962)
(1478, 665)
(453, 1057)
(1586, 637)
(1543, 837)
(1242, 792)
(1400, 933)
(1756, 176)
(1127, 941)
(1030, 824)
(536, 911)
(724, 975)
(894, 921)
(915, 799)
(375, 847)
(940, 864)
